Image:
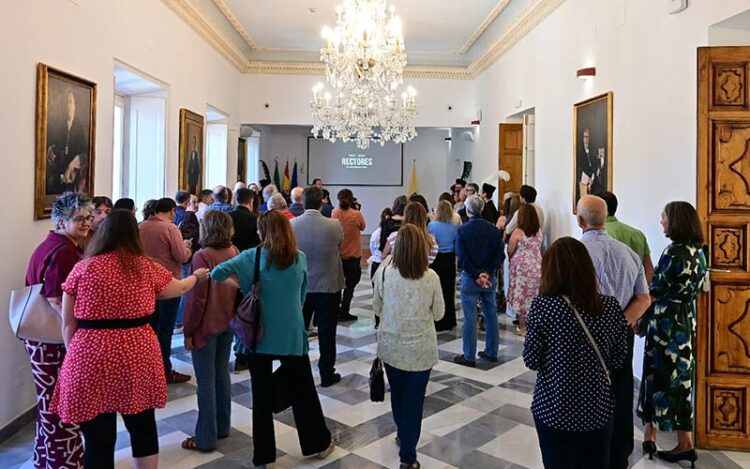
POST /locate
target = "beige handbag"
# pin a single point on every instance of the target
(31, 315)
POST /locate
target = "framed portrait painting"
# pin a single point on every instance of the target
(592, 147)
(65, 137)
(192, 161)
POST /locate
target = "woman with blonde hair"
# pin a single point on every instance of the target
(208, 309)
(408, 299)
(444, 230)
(283, 284)
(414, 214)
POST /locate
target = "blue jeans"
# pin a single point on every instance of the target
(211, 365)
(166, 314)
(185, 271)
(470, 294)
(407, 403)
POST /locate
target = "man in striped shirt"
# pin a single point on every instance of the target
(620, 274)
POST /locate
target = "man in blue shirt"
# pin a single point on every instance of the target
(221, 200)
(479, 248)
(619, 271)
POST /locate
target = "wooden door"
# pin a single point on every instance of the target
(510, 158)
(723, 186)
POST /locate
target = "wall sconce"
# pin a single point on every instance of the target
(586, 73)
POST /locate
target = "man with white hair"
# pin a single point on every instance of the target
(620, 274)
(277, 202)
(239, 185)
(297, 208)
(479, 248)
(268, 192)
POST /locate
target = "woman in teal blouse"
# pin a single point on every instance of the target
(666, 397)
(283, 284)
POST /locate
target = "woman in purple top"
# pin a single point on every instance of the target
(57, 444)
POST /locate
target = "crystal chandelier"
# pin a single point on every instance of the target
(364, 59)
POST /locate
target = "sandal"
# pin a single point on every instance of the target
(189, 444)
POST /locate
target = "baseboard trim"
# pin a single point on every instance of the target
(15, 425)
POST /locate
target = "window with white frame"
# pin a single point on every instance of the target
(216, 148)
(139, 139)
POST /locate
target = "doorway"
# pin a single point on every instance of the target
(516, 152)
(722, 389)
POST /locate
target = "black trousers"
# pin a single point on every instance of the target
(325, 307)
(352, 275)
(574, 450)
(621, 445)
(100, 436)
(312, 431)
(373, 269)
(445, 266)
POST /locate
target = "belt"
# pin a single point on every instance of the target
(114, 323)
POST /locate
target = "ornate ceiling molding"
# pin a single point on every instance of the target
(197, 20)
(528, 21)
(317, 68)
(229, 15)
(522, 26)
(499, 8)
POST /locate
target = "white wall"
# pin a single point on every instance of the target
(84, 38)
(289, 96)
(429, 149)
(642, 54)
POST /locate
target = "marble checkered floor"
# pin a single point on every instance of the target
(473, 418)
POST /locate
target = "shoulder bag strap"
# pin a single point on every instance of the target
(256, 270)
(47, 263)
(591, 339)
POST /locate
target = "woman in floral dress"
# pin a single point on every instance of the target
(668, 364)
(524, 252)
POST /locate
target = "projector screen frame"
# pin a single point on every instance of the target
(401, 184)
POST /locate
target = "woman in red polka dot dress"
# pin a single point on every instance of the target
(114, 362)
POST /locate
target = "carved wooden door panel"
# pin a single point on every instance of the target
(723, 339)
(510, 157)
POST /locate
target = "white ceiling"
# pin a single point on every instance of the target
(454, 38)
(427, 28)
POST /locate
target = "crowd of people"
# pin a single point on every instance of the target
(124, 288)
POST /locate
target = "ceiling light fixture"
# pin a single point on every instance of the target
(586, 73)
(364, 58)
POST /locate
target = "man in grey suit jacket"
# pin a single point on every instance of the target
(319, 238)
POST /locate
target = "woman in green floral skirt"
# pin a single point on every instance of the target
(668, 364)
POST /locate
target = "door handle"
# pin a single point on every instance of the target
(723, 271)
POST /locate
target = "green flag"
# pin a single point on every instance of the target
(276, 179)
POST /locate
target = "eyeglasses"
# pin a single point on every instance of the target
(80, 219)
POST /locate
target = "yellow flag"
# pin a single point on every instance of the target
(413, 184)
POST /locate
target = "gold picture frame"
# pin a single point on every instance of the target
(592, 153)
(192, 154)
(65, 137)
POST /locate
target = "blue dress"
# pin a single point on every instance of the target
(666, 397)
(282, 293)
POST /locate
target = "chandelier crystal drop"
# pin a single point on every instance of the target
(364, 57)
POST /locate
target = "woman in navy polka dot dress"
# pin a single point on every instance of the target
(573, 404)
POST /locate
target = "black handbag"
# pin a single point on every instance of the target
(377, 381)
(247, 323)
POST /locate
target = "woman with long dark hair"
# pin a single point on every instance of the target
(282, 282)
(408, 298)
(575, 336)
(666, 397)
(114, 362)
(525, 254)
